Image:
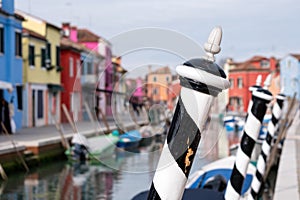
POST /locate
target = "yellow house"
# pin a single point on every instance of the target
(41, 71)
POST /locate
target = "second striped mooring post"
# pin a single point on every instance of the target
(266, 147)
(261, 97)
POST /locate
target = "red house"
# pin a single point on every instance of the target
(70, 75)
(243, 75)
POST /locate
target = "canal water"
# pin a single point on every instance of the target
(118, 178)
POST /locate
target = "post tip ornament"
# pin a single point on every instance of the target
(212, 46)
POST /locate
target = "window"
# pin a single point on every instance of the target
(31, 56)
(265, 64)
(155, 91)
(71, 67)
(40, 110)
(167, 79)
(43, 57)
(154, 79)
(240, 82)
(57, 56)
(294, 83)
(289, 63)
(238, 101)
(18, 42)
(48, 51)
(231, 83)
(90, 68)
(77, 67)
(1, 40)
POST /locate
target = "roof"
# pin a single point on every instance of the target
(17, 16)
(67, 43)
(253, 59)
(53, 26)
(296, 56)
(248, 63)
(85, 35)
(33, 34)
(163, 70)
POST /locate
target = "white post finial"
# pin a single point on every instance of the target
(212, 46)
(258, 80)
(267, 82)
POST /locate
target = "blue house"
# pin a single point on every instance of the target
(290, 75)
(11, 58)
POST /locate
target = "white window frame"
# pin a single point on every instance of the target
(71, 67)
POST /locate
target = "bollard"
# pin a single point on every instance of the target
(261, 97)
(201, 81)
(252, 89)
(266, 146)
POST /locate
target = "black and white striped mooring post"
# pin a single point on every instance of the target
(261, 97)
(266, 146)
(201, 80)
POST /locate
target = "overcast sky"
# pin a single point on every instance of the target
(257, 27)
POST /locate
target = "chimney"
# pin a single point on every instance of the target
(73, 34)
(66, 30)
(8, 6)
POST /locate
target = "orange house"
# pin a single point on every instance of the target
(158, 85)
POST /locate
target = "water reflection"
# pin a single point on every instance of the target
(123, 176)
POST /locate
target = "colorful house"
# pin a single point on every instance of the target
(11, 58)
(290, 74)
(106, 80)
(158, 83)
(93, 78)
(242, 75)
(70, 52)
(41, 71)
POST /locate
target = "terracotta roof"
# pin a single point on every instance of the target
(67, 43)
(85, 35)
(33, 34)
(253, 59)
(163, 70)
(296, 56)
(248, 63)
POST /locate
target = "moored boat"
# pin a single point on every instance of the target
(130, 139)
(93, 148)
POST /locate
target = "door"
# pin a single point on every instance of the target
(40, 119)
(33, 107)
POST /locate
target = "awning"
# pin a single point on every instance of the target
(55, 88)
(6, 85)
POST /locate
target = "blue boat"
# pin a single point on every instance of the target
(216, 175)
(210, 181)
(130, 139)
